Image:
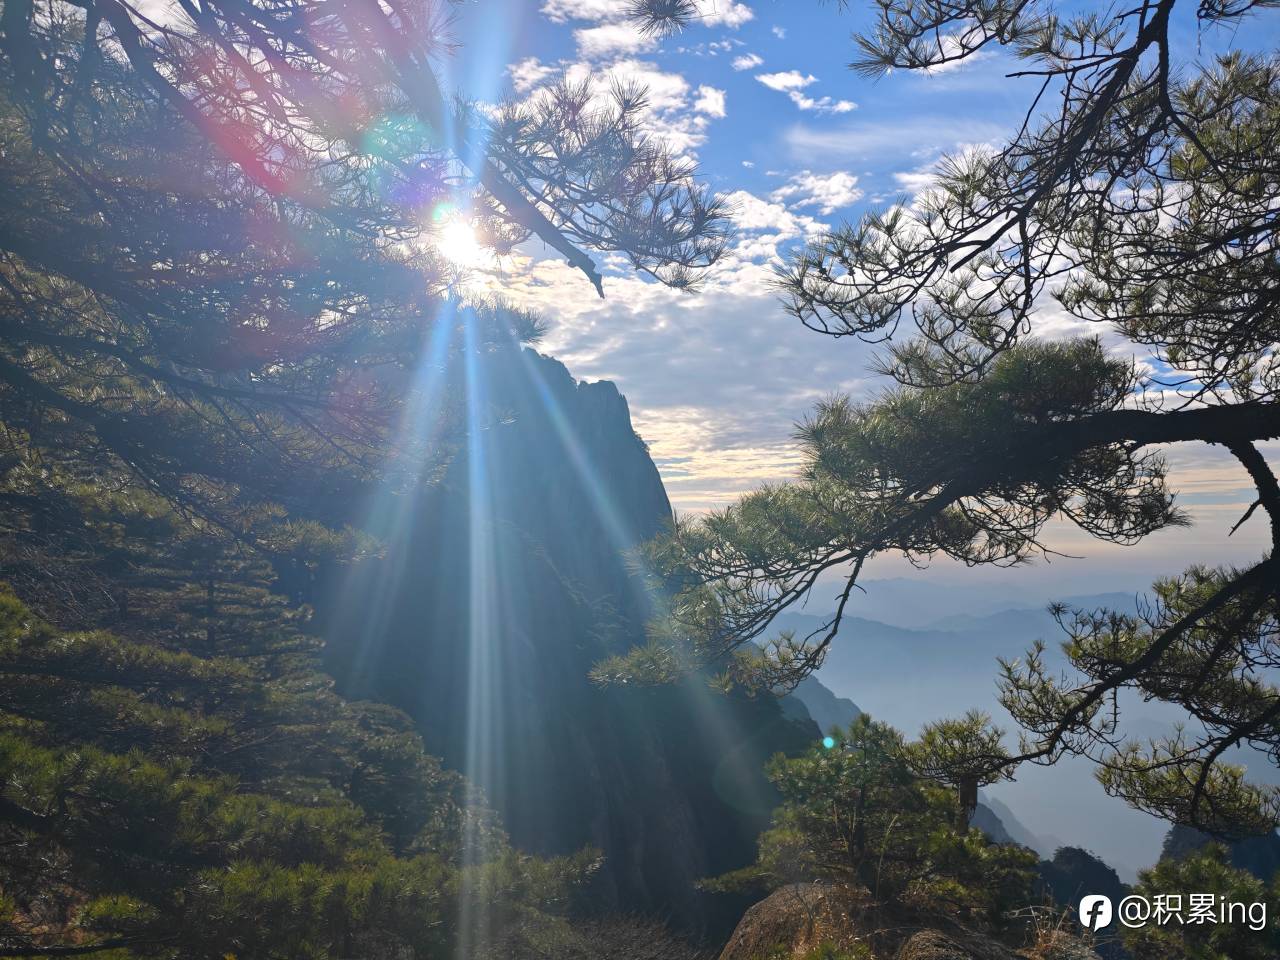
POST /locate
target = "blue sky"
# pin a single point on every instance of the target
(760, 94)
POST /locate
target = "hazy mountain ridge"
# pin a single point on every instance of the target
(1015, 618)
(820, 705)
(929, 600)
(1044, 844)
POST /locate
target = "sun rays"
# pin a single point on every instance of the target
(480, 392)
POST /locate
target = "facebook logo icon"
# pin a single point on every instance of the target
(1095, 911)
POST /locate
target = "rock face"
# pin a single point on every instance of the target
(985, 819)
(822, 705)
(499, 589)
(1074, 873)
(807, 920)
(1258, 855)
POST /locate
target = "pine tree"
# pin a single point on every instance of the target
(200, 806)
(1143, 203)
(856, 809)
(1207, 873)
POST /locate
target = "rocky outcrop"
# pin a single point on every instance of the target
(1074, 873)
(807, 920)
(1258, 855)
(800, 919)
(501, 585)
(935, 945)
(985, 819)
(822, 705)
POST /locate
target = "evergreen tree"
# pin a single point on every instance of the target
(1259, 855)
(1248, 934)
(198, 806)
(856, 809)
(1144, 203)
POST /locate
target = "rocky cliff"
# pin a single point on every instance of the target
(1258, 855)
(501, 584)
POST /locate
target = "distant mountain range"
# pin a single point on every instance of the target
(927, 601)
(909, 676)
(1030, 618)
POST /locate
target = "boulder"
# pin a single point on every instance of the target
(830, 920)
(936, 945)
(799, 919)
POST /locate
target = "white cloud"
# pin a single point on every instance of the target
(780, 32)
(712, 49)
(710, 101)
(952, 45)
(559, 11)
(667, 91)
(672, 113)
(607, 49)
(828, 192)
(765, 226)
(915, 181)
(793, 82)
(754, 213)
(616, 33)
(529, 73)
(669, 115)
(748, 61)
(612, 39)
(821, 104)
(727, 12)
(787, 80)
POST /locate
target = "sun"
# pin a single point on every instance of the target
(456, 242)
